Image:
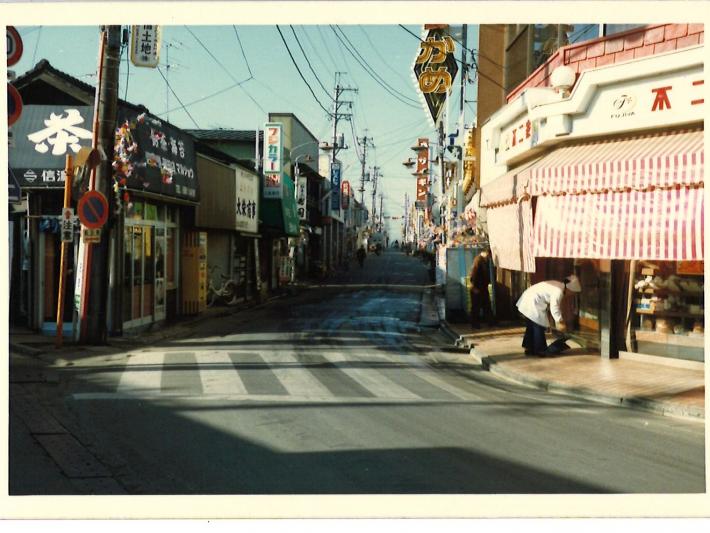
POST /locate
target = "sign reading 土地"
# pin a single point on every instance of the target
(435, 68)
(145, 46)
(273, 157)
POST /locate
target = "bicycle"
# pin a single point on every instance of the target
(226, 294)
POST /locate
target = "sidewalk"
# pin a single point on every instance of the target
(652, 386)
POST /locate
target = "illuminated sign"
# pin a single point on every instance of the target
(273, 156)
(435, 68)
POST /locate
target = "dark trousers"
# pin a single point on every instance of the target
(481, 303)
(534, 340)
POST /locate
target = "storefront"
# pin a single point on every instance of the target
(155, 190)
(607, 182)
(279, 228)
(228, 212)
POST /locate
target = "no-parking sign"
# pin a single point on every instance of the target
(93, 209)
(14, 105)
(14, 46)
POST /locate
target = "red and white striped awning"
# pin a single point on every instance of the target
(644, 163)
(662, 224)
(623, 198)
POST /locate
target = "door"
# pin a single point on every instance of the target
(160, 272)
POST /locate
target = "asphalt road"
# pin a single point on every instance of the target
(340, 390)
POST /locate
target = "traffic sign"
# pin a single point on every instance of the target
(67, 228)
(14, 105)
(93, 209)
(14, 46)
(90, 235)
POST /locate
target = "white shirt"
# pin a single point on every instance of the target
(534, 301)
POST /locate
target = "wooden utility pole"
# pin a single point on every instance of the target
(94, 327)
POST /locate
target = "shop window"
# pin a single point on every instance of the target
(669, 309)
(170, 258)
(150, 212)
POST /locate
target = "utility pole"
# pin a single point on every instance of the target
(94, 330)
(337, 115)
(382, 221)
(366, 141)
(375, 175)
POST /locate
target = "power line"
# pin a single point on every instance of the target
(369, 70)
(327, 48)
(242, 49)
(315, 49)
(217, 93)
(305, 56)
(384, 61)
(237, 82)
(299, 70)
(178, 98)
(475, 65)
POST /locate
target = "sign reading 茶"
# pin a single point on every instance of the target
(435, 68)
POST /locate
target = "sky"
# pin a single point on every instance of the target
(233, 76)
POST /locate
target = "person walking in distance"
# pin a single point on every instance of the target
(533, 305)
(361, 255)
(480, 299)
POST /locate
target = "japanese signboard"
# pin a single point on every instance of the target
(346, 194)
(422, 173)
(247, 202)
(435, 68)
(273, 157)
(43, 137)
(91, 235)
(335, 186)
(164, 160)
(67, 224)
(302, 197)
(288, 206)
(145, 46)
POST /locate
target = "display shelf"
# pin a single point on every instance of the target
(676, 314)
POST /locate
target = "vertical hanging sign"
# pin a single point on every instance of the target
(435, 68)
(335, 186)
(273, 157)
(422, 173)
(145, 46)
(302, 197)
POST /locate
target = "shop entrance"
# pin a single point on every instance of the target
(144, 273)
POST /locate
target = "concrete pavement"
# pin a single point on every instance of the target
(644, 384)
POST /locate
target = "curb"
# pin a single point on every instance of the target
(24, 350)
(665, 408)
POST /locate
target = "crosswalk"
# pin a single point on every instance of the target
(284, 375)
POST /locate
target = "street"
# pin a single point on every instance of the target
(347, 389)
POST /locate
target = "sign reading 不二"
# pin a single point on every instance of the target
(435, 68)
(335, 186)
(273, 155)
(145, 46)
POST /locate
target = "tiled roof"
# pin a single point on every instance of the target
(225, 135)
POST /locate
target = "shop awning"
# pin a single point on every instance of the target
(507, 188)
(510, 236)
(279, 215)
(627, 198)
(642, 163)
(663, 224)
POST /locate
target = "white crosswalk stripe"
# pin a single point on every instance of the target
(296, 379)
(218, 374)
(221, 376)
(374, 381)
(142, 374)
